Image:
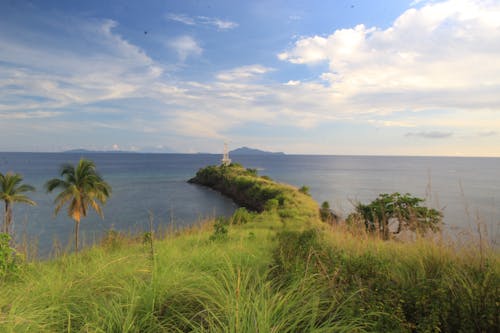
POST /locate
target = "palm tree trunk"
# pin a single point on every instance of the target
(4, 225)
(77, 225)
(7, 217)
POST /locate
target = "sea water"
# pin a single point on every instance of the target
(466, 190)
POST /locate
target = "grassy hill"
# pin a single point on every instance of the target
(272, 267)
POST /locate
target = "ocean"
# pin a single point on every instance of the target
(467, 190)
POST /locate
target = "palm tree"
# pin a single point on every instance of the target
(11, 190)
(81, 188)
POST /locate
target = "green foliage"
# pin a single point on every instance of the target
(242, 216)
(304, 189)
(243, 185)
(404, 210)
(11, 191)
(278, 272)
(82, 189)
(326, 213)
(271, 205)
(295, 251)
(221, 226)
(8, 259)
(252, 172)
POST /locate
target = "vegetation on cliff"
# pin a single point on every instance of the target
(260, 194)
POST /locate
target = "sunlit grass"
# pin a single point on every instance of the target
(282, 271)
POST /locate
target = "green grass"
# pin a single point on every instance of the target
(280, 270)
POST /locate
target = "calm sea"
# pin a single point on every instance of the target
(465, 189)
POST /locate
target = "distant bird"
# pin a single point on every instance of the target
(352, 6)
(145, 32)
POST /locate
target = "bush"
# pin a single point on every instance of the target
(220, 229)
(252, 172)
(294, 254)
(326, 213)
(271, 204)
(241, 216)
(9, 262)
(304, 189)
(403, 210)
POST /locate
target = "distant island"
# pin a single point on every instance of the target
(252, 151)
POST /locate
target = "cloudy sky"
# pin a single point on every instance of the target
(317, 77)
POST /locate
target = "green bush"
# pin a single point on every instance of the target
(271, 205)
(304, 189)
(241, 216)
(9, 262)
(252, 172)
(326, 214)
(296, 252)
(221, 226)
(405, 210)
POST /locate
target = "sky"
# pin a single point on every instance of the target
(358, 77)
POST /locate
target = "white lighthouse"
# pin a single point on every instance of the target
(225, 158)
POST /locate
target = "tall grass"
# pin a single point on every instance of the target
(280, 270)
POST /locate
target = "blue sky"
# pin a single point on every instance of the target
(320, 77)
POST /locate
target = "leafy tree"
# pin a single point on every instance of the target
(81, 188)
(11, 191)
(404, 210)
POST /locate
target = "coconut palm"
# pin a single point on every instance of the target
(81, 188)
(11, 191)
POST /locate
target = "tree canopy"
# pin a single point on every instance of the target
(404, 211)
(11, 191)
(82, 189)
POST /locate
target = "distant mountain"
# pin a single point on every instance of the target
(252, 151)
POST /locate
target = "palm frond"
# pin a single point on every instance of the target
(81, 188)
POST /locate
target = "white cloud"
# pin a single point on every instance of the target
(441, 56)
(243, 73)
(29, 115)
(180, 18)
(431, 134)
(58, 73)
(185, 46)
(202, 20)
(218, 23)
(432, 58)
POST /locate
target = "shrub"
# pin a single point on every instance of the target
(241, 216)
(304, 189)
(8, 259)
(294, 254)
(326, 213)
(271, 204)
(404, 210)
(252, 172)
(220, 229)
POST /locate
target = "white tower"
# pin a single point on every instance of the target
(225, 158)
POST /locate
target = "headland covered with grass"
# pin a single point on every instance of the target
(274, 266)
